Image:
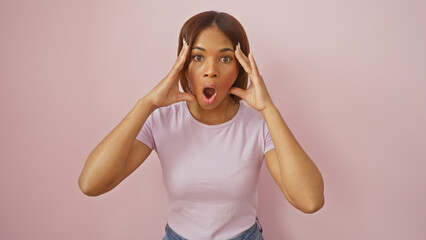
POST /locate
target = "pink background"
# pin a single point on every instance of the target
(347, 76)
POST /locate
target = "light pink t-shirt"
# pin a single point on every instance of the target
(210, 171)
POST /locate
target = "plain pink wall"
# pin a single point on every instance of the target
(347, 76)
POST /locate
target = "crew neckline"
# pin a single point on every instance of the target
(230, 121)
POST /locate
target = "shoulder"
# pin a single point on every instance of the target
(253, 118)
(250, 113)
(173, 109)
(169, 114)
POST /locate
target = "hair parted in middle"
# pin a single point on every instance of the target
(230, 26)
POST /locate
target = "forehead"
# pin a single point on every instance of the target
(212, 37)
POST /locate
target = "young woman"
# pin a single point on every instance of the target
(210, 144)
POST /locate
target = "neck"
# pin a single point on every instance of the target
(222, 113)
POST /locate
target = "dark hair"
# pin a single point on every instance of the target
(229, 26)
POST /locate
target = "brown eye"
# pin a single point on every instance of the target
(226, 59)
(197, 58)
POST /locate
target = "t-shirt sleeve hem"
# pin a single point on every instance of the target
(146, 142)
(268, 148)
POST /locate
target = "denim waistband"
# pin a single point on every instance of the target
(172, 235)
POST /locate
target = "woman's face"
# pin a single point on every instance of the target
(213, 68)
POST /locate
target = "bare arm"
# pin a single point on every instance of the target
(107, 161)
(119, 153)
(296, 174)
(301, 180)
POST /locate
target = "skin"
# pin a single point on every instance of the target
(119, 153)
(212, 61)
(295, 173)
(292, 169)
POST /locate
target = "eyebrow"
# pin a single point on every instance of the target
(221, 50)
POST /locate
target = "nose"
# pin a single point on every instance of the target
(210, 69)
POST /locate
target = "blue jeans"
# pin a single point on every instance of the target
(253, 233)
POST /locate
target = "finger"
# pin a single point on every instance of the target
(253, 64)
(180, 61)
(243, 60)
(182, 49)
(238, 92)
(186, 97)
(255, 77)
(173, 76)
(183, 54)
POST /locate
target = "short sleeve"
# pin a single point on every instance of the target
(267, 138)
(145, 135)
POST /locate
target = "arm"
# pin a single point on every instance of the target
(299, 178)
(119, 153)
(106, 163)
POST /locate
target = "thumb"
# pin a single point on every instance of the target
(238, 92)
(186, 97)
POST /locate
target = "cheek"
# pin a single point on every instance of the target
(230, 74)
(191, 74)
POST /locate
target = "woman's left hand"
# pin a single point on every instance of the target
(256, 95)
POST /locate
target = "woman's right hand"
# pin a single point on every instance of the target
(167, 91)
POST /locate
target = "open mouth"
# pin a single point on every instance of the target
(209, 92)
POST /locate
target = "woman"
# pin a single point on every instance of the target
(211, 145)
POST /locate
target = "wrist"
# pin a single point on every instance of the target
(269, 108)
(147, 103)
